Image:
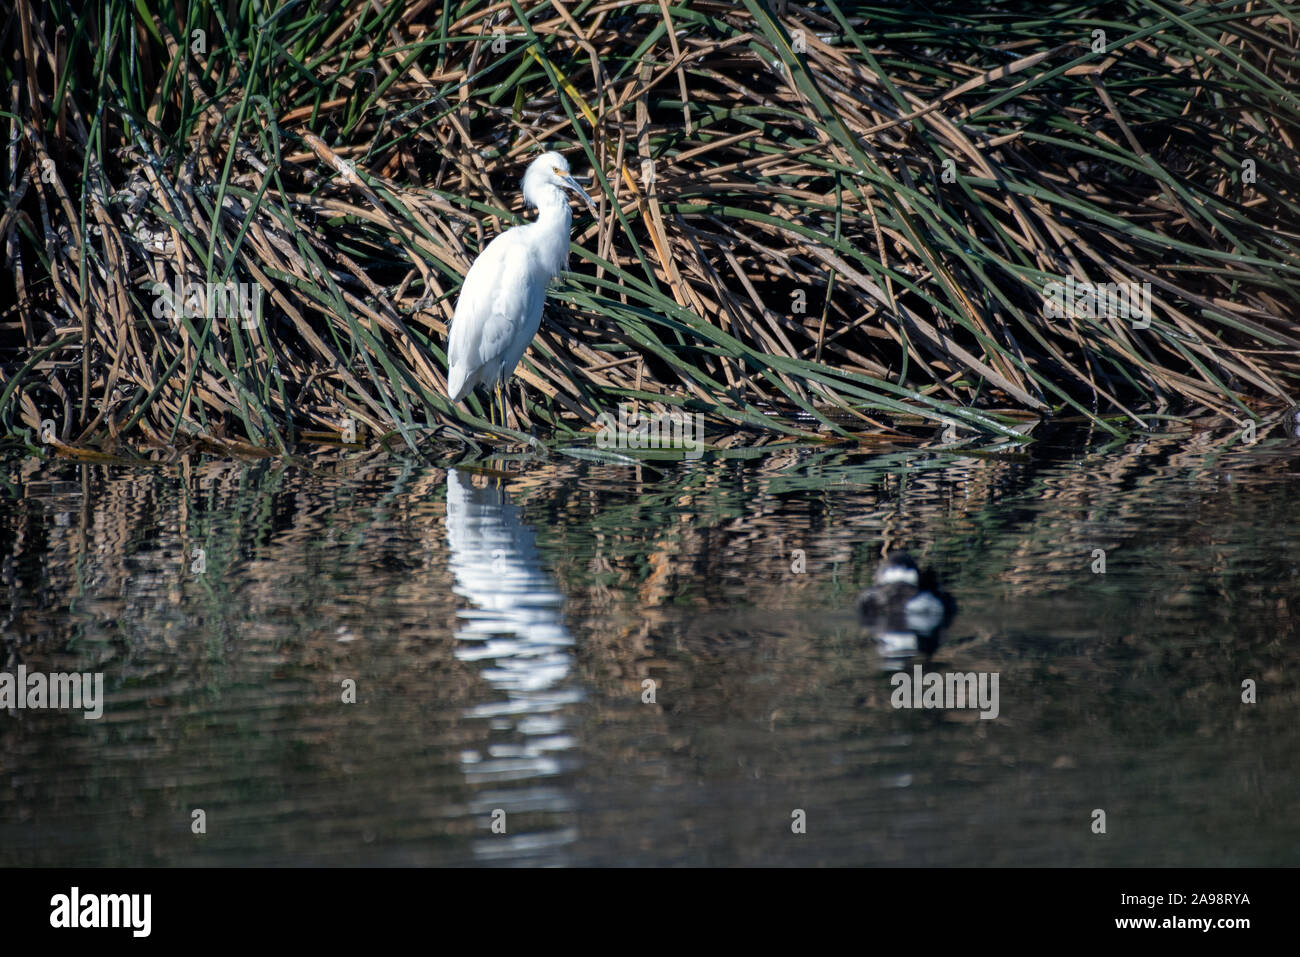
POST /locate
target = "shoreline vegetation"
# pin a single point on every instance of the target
(244, 230)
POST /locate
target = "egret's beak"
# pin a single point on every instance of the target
(571, 183)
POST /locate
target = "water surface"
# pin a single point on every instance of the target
(502, 620)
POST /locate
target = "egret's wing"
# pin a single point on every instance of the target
(492, 303)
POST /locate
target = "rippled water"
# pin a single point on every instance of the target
(503, 621)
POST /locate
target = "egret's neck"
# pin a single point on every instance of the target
(554, 218)
(552, 205)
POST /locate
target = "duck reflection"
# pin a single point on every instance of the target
(515, 629)
(906, 610)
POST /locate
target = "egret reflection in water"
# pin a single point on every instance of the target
(515, 629)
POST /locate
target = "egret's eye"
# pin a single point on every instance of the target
(558, 172)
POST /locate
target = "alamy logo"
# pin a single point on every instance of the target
(1098, 300)
(207, 300)
(953, 689)
(76, 692)
(102, 910)
(659, 430)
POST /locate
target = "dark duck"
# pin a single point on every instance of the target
(906, 610)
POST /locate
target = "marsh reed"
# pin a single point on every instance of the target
(830, 220)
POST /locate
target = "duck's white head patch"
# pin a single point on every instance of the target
(897, 575)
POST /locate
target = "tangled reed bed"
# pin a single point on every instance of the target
(812, 220)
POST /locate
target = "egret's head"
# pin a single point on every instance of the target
(551, 169)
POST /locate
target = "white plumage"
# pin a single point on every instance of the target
(500, 304)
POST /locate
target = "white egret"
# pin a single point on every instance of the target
(500, 304)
